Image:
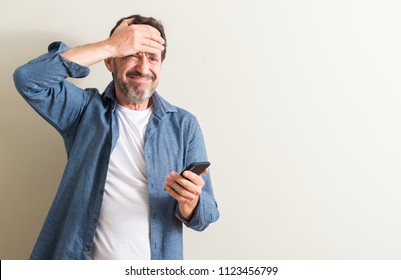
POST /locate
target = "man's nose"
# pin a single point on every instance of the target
(143, 64)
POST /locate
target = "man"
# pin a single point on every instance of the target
(120, 196)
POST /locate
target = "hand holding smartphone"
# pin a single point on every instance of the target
(196, 167)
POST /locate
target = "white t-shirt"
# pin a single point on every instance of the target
(123, 229)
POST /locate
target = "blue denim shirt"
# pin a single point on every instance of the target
(87, 121)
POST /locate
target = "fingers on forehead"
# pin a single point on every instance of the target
(146, 27)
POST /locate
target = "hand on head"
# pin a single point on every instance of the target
(129, 39)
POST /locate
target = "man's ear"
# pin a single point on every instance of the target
(109, 64)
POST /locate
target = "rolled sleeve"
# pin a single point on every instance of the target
(205, 213)
(75, 70)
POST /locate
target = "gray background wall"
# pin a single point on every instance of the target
(299, 102)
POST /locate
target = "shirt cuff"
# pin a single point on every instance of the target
(75, 70)
(194, 221)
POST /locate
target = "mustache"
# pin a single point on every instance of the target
(134, 73)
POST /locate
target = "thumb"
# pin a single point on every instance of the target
(124, 24)
(129, 21)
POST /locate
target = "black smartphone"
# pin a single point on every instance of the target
(196, 167)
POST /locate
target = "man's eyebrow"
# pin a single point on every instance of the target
(149, 54)
(153, 56)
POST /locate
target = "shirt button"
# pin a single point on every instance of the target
(94, 221)
(86, 248)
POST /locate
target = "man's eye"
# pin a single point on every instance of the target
(132, 56)
(153, 58)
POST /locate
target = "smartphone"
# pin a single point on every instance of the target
(196, 167)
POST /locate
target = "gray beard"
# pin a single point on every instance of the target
(132, 93)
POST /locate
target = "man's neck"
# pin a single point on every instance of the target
(135, 106)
